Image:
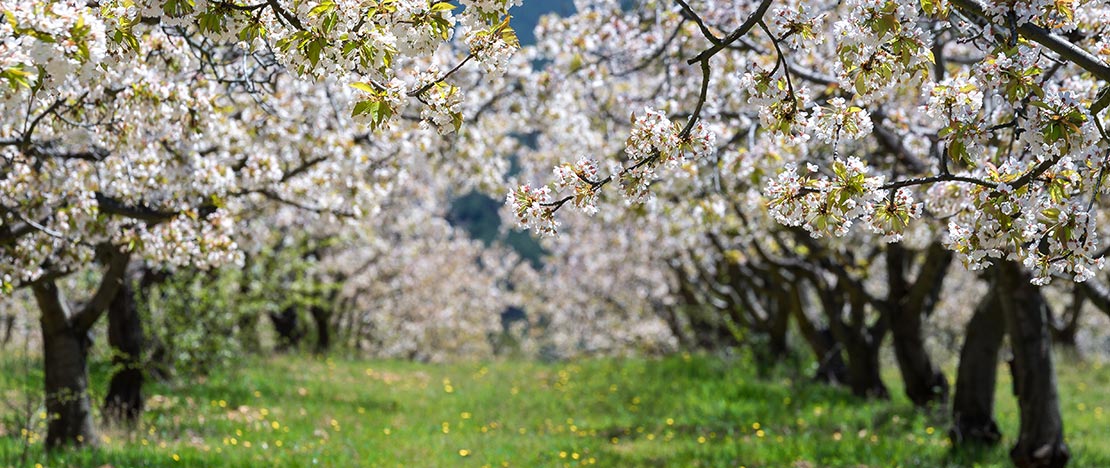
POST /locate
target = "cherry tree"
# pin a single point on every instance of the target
(151, 129)
(979, 121)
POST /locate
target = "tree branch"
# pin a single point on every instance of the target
(110, 284)
(1060, 45)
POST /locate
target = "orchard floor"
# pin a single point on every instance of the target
(678, 411)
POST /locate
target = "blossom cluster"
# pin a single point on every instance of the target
(838, 119)
(832, 204)
(797, 25)
(532, 208)
(582, 178)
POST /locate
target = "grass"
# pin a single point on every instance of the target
(678, 411)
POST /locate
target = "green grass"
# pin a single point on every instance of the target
(678, 411)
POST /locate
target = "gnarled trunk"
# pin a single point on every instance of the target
(861, 345)
(973, 402)
(907, 306)
(65, 350)
(863, 369)
(1065, 329)
(779, 323)
(924, 383)
(8, 321)
(831, 368)
(320, 315)
(1040, 441)
(65, 346)
(124, 401)
(287, 326)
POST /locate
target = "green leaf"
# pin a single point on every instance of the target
(456, 120)
(313, 50)
(367, 87)
(322, 8)
(861, 84)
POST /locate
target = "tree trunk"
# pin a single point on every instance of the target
(65, 348)
(863, 369)
(320, 315)
(9, 323)
(907, 306)
(1064, 329)
(973, 402)
(288, 329)
(670, 317)
(159, 364)
(124, 402)
(861, 346)
(65, 354)
(1040, 442)
(247, 324)
(831, 368)
(924, 382)
(779, 323)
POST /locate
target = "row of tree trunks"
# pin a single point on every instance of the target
(1021, 312)
(845, 306)
(66, 340)
(290, 331)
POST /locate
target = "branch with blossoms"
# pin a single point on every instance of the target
(655, 141)
(999, 135)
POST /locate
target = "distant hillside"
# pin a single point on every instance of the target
(527, 15)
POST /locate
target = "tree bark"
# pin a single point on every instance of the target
(779, 321)
(831, 368)
(247, 324)
(1040, 441)
(907, 306)
(159, 364)
(124, 401)
(65, 357)
(973, 402)
(288, 329)
(65, 342)
(9, 323)
(1064, 329)
(861, 345)
(320, 315)
(863, 369)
